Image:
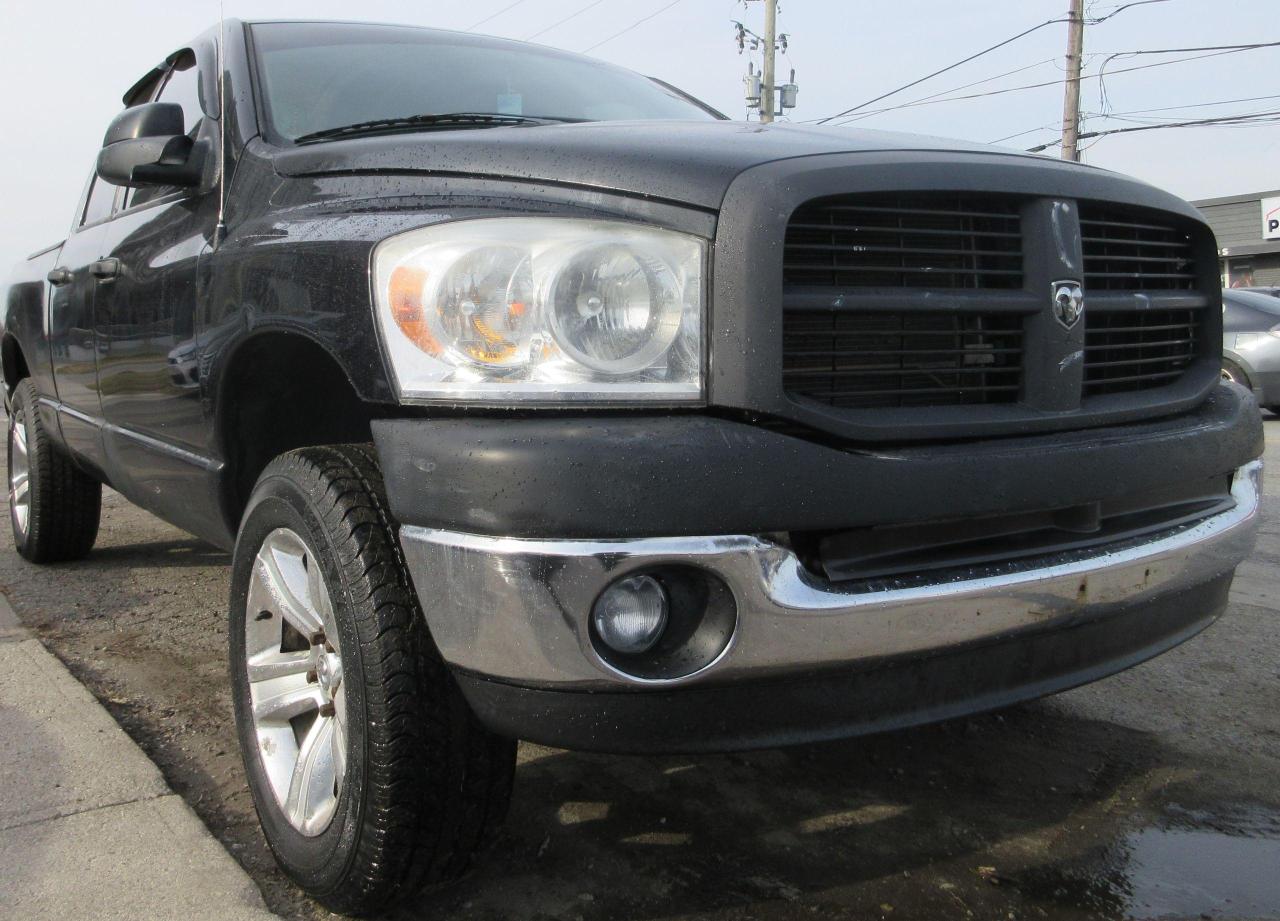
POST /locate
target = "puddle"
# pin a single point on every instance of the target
(1178, 873)
(1197, 865)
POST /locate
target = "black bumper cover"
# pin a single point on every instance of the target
(600, 477)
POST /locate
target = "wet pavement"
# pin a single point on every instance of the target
(1153, 794)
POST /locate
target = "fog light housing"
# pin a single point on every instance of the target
(631, 614)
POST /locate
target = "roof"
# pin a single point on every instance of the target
(1235, 199)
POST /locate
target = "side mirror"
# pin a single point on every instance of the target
(145, 145)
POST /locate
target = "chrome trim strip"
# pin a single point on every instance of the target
(155, 444)
(517, 609)
(163, 447)
(66, 410)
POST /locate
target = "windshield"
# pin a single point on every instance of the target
(315, 77)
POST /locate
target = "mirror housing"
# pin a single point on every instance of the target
(145, 145)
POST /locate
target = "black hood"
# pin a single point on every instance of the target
(687, 162)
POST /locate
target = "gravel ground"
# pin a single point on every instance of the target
(1153, 793)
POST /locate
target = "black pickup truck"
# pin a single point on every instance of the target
(538, 400)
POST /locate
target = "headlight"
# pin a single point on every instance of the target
(551, 309)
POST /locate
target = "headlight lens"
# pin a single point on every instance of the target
(551, 309)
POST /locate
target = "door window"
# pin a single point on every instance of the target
(183, 87)
(97, 206)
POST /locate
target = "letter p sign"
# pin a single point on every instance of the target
(1271, 219)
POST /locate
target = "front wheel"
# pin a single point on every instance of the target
(370, 775)
(1235, 374)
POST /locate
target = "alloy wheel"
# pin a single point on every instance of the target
(19, 472)
(294, 665)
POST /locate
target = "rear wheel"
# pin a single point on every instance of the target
(370, 775)
(53, 507)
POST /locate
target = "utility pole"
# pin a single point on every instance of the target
(762, 89)
(1071, 100)
(770, 40)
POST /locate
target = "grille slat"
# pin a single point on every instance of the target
(1145, 252)
(859, 359)
(937, 240)
(1137, 350)
(1118, 248)
(879, 256)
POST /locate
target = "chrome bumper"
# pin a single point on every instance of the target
(518, 609)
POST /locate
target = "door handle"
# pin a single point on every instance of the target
(105, 269)
(59, 276)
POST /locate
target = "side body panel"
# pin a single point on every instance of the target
(74, 346)
(148, 367)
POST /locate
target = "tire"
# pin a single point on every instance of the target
(1236, 374)
(53, 507)
(418, 784)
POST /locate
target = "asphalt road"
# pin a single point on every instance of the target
(1153, 793)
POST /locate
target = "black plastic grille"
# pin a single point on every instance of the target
(905, 240)
(865, 360)
(1128, 350)
(1130, 249)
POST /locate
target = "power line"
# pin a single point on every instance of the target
(1236, 120)
(979, 54)
(954, 89)
(1032, 86)
(561, 22)
(1192, 105)
(1010, 137)
(1120, 9)
(907, 86)
(510, 6)
(1103, 99)
(638, 22)
(1119, 116)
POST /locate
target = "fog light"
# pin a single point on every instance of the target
(631, 614)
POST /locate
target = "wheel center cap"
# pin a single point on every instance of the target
(328, 672)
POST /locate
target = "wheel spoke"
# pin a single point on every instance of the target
(310, 800)
(286, 699)
(319, 596)
(282, 575)
(275, 664)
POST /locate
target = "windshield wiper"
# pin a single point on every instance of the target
(431, 120)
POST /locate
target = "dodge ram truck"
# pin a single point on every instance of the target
(535, 399)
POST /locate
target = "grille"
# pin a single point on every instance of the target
(921, 240)
(866, 360)
(1128, 350)
(1129, 249)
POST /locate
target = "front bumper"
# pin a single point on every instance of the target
(808, 659)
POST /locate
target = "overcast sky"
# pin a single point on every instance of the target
(64, 65)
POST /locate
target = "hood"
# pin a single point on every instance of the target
(687, 162)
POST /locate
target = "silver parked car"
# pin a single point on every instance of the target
(1251, 344)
